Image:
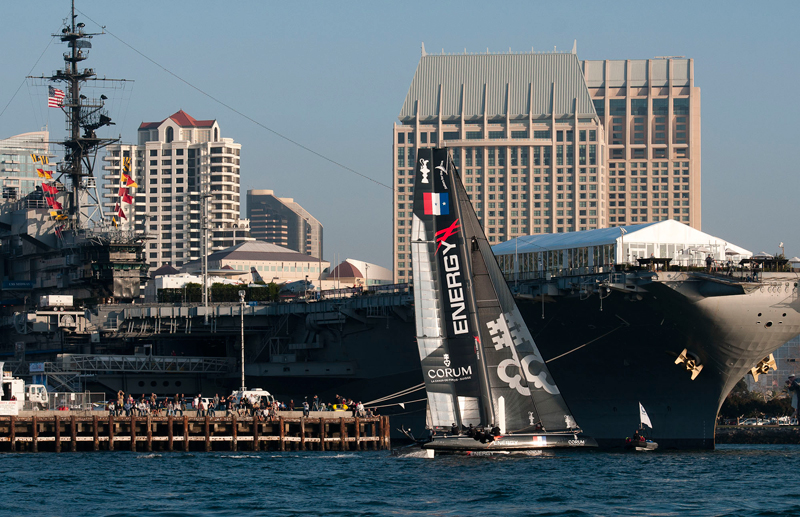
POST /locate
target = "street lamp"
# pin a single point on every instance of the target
(241, 316)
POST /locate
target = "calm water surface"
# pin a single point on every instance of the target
(733, 480)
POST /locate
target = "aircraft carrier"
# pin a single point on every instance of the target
(675, 341)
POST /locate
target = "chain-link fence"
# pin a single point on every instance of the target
(85, 401)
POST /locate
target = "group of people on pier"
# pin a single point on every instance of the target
(260, 408)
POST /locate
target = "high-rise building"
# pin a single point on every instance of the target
(282, 221)
(185, 173)
(546, 143)
(17, 167)
(650, 109)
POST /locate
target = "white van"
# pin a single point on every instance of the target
(263, 397)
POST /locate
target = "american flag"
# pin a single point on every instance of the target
(54, 97)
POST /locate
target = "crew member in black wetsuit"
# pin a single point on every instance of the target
(454, 430)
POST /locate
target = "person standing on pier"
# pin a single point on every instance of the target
(305, 408)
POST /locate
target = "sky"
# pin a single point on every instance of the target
(332, 76)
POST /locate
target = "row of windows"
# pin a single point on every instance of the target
(618, 107)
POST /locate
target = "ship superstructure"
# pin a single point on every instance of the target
(55, 239)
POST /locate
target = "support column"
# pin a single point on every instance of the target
(170, 435)
(185, 433)
(95, 433)
(73, 446)
(282, 432)
(256, 425)
(35, 442)
(133, 433)
(302, 433)
(110, 432)
(149, 433)
(57, 430)
(234, 434)
(208, 436)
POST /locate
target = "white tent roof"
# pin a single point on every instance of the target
(668, 231)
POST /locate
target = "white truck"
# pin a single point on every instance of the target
(14, 394)
(259, 395)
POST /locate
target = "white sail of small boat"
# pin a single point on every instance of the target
(643, 418)
(480, 363)
(639, 442)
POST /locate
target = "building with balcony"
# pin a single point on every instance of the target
(17, 169)
(185, 174)
(282, 221)
(546, 143)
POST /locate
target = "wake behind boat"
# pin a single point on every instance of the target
(481, 366)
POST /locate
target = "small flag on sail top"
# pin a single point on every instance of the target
(55, 97)
(56, 205)
(121, 214)
(40, 158)
(126, 164)
(114, 221)
(643, 416)
(50, 201)
(44, 174)
(126, 198)
(50, 189)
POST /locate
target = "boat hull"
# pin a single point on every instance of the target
(608, 356)
(509, 443)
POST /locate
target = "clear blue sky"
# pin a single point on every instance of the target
(333, 76)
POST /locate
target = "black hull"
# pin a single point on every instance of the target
(607, 361)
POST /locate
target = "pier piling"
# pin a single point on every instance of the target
(52, 433)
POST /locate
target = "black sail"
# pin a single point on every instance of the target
(515, 367)
(476, 324)
(447, 333)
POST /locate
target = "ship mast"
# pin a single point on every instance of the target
(84, 117)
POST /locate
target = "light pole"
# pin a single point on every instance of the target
(366, 276)
(241, 317)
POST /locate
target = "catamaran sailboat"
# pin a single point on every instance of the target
(487, 384)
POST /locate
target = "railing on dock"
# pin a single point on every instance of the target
(154, 434)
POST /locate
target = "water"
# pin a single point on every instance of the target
(733, 480)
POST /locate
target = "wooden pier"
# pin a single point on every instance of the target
(154, 434)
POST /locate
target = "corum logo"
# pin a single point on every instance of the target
(449, 374)
(446, 360)
(577, 442)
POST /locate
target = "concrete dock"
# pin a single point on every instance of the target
(63, 433)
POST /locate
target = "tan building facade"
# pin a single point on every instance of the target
(651, 112)
(546, 143)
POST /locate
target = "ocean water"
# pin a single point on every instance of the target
(733, 480)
